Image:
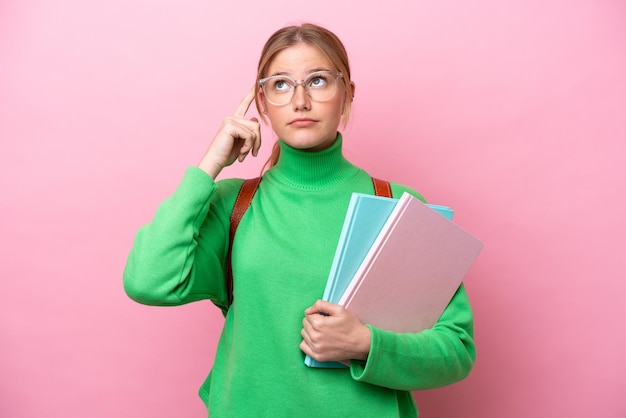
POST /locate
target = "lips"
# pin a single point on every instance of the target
(302, 122)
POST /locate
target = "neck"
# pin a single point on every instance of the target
(312, 169)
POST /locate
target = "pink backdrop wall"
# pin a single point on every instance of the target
(511, 112)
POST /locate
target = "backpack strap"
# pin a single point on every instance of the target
(242, 203)
(382, 188)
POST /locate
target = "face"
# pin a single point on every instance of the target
(303, 123)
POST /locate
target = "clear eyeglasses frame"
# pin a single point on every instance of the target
(321, 86)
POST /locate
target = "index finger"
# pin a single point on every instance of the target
(245, 104)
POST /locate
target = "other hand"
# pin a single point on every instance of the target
(332, 333)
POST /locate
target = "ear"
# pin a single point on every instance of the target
(262, 103)
(352, 88)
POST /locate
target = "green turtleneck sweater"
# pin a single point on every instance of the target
(281, 259)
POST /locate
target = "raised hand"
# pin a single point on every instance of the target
(234, 141)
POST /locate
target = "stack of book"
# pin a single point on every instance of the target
(398, 263)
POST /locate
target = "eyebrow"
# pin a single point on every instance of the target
(287, 73)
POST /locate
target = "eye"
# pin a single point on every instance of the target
(318, 81)
(280, 85)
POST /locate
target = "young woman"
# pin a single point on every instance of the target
(282, 255)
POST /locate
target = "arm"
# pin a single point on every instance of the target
(179, 256)
(432, 358)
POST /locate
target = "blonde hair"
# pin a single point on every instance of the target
(323, 39)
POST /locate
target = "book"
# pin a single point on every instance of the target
(365, 217)
(412, 269)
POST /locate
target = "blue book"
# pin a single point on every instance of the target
(365, 217)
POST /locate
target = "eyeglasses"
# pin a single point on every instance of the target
(319, 85)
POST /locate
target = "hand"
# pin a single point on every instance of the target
(235, 139)
(332, 333)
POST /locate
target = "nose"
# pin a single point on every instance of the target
(301, 99)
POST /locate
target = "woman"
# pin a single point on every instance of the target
(283, 253)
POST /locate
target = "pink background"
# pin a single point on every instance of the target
(511, 112)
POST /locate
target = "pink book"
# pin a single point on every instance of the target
(412, 270)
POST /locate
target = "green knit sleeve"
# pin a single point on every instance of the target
(179, 256)
(429, 359)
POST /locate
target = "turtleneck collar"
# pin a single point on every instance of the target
(313, 170)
